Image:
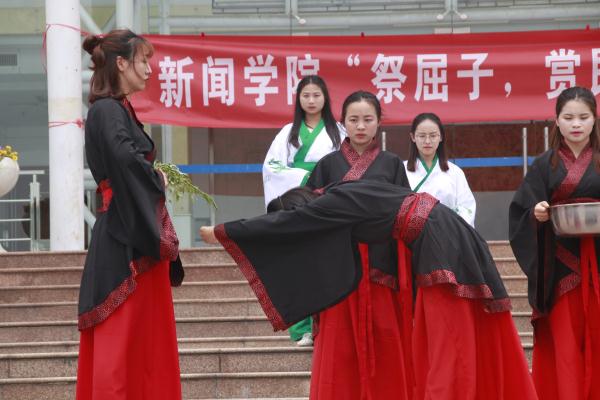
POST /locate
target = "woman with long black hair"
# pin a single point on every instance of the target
(562, 271)
(295, 151)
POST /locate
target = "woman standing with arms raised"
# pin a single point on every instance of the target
(295, 152)
(128, 343)
(562, 271)
(429, 170)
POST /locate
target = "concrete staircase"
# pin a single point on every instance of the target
(227, 348)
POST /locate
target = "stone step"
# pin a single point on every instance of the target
(271, 385)
(279, 340)
(191, 361)
(500, 248)
(44, 276)
(72, 275)
(40, 276)
(508, 266)
(515, 283)
(522, 321)
(189, 290)
(209, 255)
(219, 307)
(58, 311)
(42, 259)
(52, 331)
(520, 302)
(20, 367)
(219, 330)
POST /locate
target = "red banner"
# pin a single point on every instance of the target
(243, 82)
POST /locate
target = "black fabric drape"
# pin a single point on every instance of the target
(301, 261)
(119, 151)
(385, 167)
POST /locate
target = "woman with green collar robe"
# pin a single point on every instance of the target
(428, 169)
(296, 150)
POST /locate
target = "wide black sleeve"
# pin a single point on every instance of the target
(138, 189)
(301, 261)
(527, 236)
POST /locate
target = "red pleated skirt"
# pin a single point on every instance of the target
(562, 356)
(133, 354)
(463, 352)
(352, 361)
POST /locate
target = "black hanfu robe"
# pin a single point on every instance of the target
(549, 261)
(374, 165)
(302, 261)
(562, 276)
(128, 342)
(132, 231)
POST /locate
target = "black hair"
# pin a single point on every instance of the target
(359, 96)
(328, 118)
(413, 152)
(293, 198)
(104, 50)
(587, 97)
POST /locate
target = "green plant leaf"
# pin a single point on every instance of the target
(180, 184)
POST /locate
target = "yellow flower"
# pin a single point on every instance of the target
(8, 152)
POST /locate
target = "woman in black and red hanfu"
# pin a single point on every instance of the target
(128, 343)
(304, 260)
(562, 271)
(375, 344)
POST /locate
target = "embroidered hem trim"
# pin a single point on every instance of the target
(412, 216)
(567, 258)
(169, 249)
(564, 286)
(567, 284)
(477, 292)
(250, 273)
(110, 304)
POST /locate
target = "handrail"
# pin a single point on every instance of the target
(472, 162)
(34, 211)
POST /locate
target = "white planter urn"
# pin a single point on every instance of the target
(9, 174)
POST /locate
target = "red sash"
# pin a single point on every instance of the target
(106, 192)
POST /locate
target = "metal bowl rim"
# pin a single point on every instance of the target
(596, 204)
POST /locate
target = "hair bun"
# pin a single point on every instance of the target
(90, 43)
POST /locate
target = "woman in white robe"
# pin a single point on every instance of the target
(299, 145)
(296, 150)
(428, 169)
